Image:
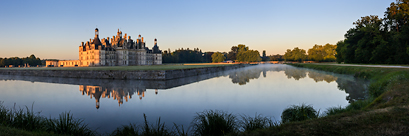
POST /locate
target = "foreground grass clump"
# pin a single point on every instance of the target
(298, 113)
(206, 123)
(214, 123)
(27, 119)
(248, 123)
(158, 129)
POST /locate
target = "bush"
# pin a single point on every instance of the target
(248, 123)
(298, 113)
(214, 123)
(158, 129)
(334, 110)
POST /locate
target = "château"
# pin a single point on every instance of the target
(116, 51)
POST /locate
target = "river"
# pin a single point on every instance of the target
(104, 105)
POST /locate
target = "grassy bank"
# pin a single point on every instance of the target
(386, 112)
(146, 67)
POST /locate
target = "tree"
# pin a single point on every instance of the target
(233, 53)
(218, 57)
(316, 53)
(276, 57)
(242, 47)
(322, 53)
(184, 56)
(377, 40)
(295, 55)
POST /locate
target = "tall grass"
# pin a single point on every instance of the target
(299, 113)
(214, 123)
(208, 122)
(66, 124)
(248, 123)
(146, 129)
(27, 119)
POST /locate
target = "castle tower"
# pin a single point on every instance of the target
(96, 32)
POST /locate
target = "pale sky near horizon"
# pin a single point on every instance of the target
(53, 29)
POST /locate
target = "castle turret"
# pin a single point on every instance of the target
(96, 32)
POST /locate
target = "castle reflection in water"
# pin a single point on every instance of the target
(121, 90)
(119, 94)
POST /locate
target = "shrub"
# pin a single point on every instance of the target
(334, 110)
(248, 123)
(214, 123)
(298, 113)
(158, 129)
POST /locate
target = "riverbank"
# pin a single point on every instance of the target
(385, 112)
(154, 72)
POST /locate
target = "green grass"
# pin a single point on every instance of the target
(128, 68)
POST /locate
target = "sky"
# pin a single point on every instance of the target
(53, 29)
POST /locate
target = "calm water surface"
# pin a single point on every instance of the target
(107, 104)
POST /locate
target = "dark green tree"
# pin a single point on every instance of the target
(218, 57)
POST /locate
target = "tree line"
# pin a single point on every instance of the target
(16, 61)
(240, 53)
(378, 40)
(317, 53)
(186, 56)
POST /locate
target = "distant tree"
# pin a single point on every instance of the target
(208, 57)
(183, 56)
(233, 53)
(218, 57)
(276, 57)
(322, 53)
(242, 47)
(16, 61)
(295, 55)
(249, 56)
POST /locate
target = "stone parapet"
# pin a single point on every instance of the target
(121, 74)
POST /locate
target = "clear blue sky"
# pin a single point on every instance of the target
(53, 29)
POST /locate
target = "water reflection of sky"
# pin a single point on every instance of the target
(263, 89)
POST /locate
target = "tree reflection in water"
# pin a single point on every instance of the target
(355, 87)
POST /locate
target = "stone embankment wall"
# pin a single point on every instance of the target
(119, 74)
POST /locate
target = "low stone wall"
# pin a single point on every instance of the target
(122, 75)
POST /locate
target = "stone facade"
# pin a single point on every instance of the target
(116, 51)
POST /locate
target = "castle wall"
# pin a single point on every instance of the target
(119, 74)
(68, 63)
(157, 59)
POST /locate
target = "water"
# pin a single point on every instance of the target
(107, 104)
